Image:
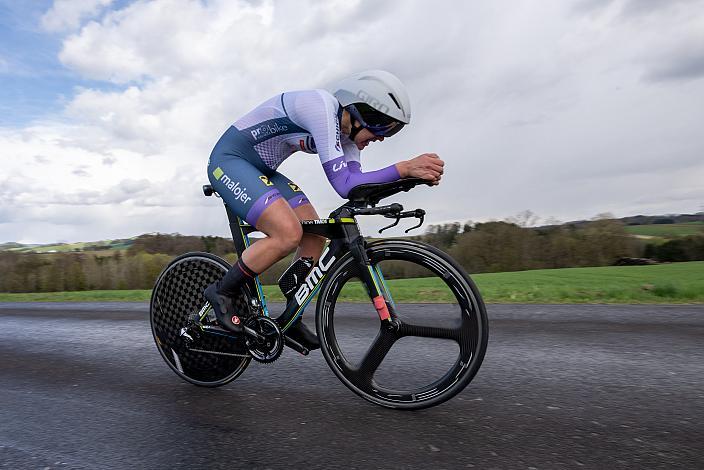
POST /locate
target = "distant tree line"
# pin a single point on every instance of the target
(506, 246)
(481, 247)
(39, 272)
(134, 268)
(689, 248)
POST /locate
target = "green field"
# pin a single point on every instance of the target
(667, 230)
(664, 283)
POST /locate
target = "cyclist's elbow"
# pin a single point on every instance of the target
(341, 188)
(343, 192)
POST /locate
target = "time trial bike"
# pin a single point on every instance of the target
(397, 354)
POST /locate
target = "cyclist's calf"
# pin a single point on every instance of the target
(311, 245)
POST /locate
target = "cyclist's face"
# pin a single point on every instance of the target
(364, 137)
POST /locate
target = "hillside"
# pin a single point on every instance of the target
(102, 245)
(654, 228)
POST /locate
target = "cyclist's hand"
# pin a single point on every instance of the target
(427, 166)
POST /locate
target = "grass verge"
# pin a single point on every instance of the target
(665, 283)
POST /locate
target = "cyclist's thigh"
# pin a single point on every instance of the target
(243, 187)
(289, 190)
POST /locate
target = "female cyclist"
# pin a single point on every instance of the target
(366, 107)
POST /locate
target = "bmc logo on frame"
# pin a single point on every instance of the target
(314, 277)
(234, 186)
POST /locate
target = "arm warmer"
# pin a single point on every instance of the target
(344, 176)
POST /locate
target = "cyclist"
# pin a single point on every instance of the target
(363, 108)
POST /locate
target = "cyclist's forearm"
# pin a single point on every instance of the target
(344, 176)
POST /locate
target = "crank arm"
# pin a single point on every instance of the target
(222, 331)
(296, 346)
(253, 334)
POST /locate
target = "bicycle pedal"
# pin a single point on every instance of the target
(255, 307)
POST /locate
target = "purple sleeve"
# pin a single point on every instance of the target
(344, 176)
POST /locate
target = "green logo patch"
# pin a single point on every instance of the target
(218, 173)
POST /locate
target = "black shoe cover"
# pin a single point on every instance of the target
(224, 310)
(300, 333)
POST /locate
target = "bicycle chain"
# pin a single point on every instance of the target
(219, 353)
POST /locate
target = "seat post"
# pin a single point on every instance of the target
(238, 235)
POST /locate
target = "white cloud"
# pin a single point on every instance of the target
(67, 15)
(563, 108)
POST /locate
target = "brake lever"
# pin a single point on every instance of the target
(398, 218)
(420, 214)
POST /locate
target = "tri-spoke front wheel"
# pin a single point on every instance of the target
(433, 346)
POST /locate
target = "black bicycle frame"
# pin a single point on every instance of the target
(343, 232)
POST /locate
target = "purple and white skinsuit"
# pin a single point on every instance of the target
(258, 142)
(316, 116)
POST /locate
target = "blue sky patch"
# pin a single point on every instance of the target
(33, 82)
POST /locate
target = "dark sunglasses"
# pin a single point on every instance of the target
(384, 126)
(385, 130)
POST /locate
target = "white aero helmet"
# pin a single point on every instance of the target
(376, 99)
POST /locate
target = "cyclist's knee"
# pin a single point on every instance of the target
(289, 235)
(281, 225)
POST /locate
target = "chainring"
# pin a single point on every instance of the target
(269, 347)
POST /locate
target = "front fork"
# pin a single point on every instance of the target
(374, 281)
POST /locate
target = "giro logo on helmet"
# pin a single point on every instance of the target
(373, 102)
(379, 90)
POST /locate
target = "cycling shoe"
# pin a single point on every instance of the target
(300, 333)
(224, 309)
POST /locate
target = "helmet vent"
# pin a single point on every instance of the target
(395, 101)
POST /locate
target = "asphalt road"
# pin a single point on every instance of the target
(83, 386)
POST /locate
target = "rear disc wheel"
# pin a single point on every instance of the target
(176, 299)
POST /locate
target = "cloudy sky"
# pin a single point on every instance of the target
(109, 108)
